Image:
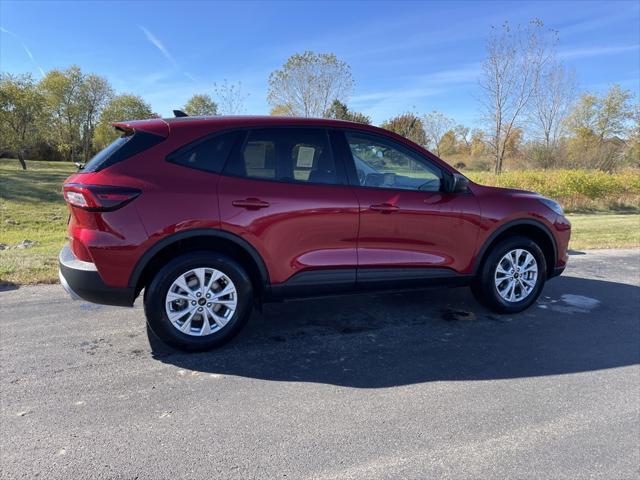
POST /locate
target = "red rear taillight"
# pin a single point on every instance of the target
(98, 198)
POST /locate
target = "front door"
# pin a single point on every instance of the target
(406, 220)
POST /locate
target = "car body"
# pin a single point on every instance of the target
(301, 206)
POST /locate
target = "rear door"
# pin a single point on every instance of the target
(284, 190)
(409, 226)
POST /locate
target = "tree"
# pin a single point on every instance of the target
(550, 106)
(308, 83)
(201, 104)
(409, 126)
(448, 143)
(509, 79)
(281, 111)
(95, 92)
(20, 112)
(463, 138)
(340, 111)
(61, 90)
(119, 108)
(230, 98)
(597, 124)
(435, 126)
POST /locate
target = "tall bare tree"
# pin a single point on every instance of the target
(510, 76)
(551, 103)
(230, 98)
(436, 125)
(308, 83)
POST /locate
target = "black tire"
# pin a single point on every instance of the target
(156, 292)
(484, 288)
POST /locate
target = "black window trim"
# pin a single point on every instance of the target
(341, 172)
(350, 165)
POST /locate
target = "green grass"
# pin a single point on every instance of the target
(32, 208)
(605, 231)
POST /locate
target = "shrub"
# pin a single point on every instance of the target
(575, 189)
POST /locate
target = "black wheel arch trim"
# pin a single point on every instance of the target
(515, 223)
(193, 233)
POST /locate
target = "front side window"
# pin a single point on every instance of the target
(384, 164)
(286, 154)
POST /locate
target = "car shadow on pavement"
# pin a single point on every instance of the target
(383, 340)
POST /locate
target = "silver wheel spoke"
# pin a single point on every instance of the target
(200, 276)
(186, 306)
(206, 326)
(186, 326)
(230, 288)
(180, 282)
(220, 321)
(171, 296)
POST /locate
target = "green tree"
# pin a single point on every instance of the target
(201, 104)
(61, 90)
(95, 93)
(119, 108)
(448, 143)
(598, 124)
(21, 109)
(409, 125)
(340, 111)
(308, 83)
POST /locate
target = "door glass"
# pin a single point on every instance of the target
(287, 155)
(384, 164)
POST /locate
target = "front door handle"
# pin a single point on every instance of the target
(384, 208)
(250, 203)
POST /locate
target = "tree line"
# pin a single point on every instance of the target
(532, 113)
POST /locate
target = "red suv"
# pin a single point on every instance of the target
(212, 215)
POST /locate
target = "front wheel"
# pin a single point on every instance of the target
(198, 301)
(512, 276)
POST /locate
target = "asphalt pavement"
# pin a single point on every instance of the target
(414, 385)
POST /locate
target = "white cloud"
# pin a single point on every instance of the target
(158, 44)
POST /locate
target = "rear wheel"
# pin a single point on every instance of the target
(198, 301)
(512, 276)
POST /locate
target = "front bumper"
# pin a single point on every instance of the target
(82, 281)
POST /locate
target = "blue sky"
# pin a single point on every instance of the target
(418, 56)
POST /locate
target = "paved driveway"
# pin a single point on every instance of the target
(416, 385)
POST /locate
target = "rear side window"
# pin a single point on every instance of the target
(286, 155)
(120, 149)
(208, 154)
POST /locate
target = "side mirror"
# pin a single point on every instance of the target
(458, 184)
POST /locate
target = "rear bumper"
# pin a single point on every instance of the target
(82, 281)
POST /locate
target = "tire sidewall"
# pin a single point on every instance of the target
(488, 286)
(155, 295)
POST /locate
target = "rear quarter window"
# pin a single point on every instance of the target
(121, 149)
(208, 154)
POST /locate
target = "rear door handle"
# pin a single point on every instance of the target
(250, 203)
(384, 208)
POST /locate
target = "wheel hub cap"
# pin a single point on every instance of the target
(201, 301)
(516, 275)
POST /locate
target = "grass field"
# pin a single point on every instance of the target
(31, 208)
